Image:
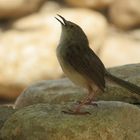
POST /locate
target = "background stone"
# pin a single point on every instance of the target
(121, 48)
(97, 4)
(110, 120)
(17, 8)
(125, 13)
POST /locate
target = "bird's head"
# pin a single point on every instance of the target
(71, 31)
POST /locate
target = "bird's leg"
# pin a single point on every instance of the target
(77, 109)
(90, 98)
(90, 101)
(86, 99)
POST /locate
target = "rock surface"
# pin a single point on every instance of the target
(110, 120)
(49, 91)
(5, 113)
(96, 4)
(63, 91)
(125, 13)
(31, 43)
(17, 8)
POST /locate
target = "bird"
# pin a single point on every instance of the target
(82, 66)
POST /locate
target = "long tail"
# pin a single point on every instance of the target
(131, 87)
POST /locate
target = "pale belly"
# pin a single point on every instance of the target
(73, 75)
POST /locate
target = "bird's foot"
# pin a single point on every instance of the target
(75, 112)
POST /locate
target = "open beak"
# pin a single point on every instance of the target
(63, 22)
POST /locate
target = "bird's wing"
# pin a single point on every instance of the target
(86, 62)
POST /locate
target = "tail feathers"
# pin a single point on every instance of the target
(131, 87)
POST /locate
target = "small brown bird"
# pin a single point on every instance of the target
(82, 66)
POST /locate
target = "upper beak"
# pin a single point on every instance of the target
(63, 19)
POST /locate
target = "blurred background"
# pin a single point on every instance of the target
(29, 35)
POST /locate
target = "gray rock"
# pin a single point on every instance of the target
(5, 113)
(49, 91)
(110, 120)
(62, 91)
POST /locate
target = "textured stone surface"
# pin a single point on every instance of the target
(27, 50)
(17, 8)
(110, 120)
(125, 13)
(63, 91)
(5, 113)
(49, 91)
